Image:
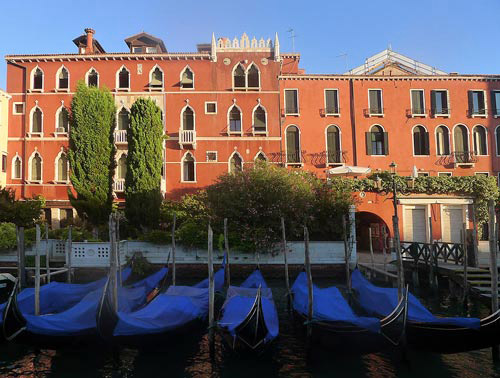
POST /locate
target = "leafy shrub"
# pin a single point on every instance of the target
(8, 239)
(156, 237)
(192, 234)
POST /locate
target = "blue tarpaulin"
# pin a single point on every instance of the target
(328, 305)
(240, 300)
(178, 306)
(381, 301)
(81, 318)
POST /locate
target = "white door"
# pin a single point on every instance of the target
(451, 221)
(414, 224)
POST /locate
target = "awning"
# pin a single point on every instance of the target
(348, 170)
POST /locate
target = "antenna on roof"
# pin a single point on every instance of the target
(343, 55)
(389, 47)
(292, 36)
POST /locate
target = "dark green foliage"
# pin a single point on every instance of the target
(21, 213)
(91, 153)
(8, 238)
(144, 160)
(77, 234)
(157, 237)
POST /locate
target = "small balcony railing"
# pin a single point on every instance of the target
(335, 157)
(121, 136)
(417, 112)
(477, 112)
(374, 112)
(187, 137)
(330, 112)
(464, 158)
(119, 185)
(441, 112)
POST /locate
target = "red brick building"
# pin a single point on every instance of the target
(234, 101)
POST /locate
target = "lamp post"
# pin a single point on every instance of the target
(395, 225)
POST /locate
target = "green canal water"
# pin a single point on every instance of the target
(190, 357)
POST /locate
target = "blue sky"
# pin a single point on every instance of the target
(452, 35)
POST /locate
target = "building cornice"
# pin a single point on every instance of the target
(106, 57)
(390, 78)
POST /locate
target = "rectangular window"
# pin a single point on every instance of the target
(423, 174)
(18, 108)
(212, 156)
(331, 102)
(4, 163)
(291, 101)
(485, 174)
(495, 102)
(417, 102)
(137, 49)
(375, 101)
(477, 103)
(439, 103)
(151, 50)
(210, 108)
(449, 174)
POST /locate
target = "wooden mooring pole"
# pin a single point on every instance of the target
(493, 267)
(113, 261)
(310, 294)
(384, 250)
(432, 272)
(226, 246)
(347, 256)
(287, 278)
(118, 257)
(47, 253)
(371, 246)
(474, 259)
(21, 270)
(173, 249)
(37, 270)
(69, 250)
(211, 292)
(464, 246)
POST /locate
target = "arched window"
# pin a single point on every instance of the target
(377, 142)
(123, 79)
(37, 79)
(36, 167)
(442, 141)
(36, 121)
(479, 138)
(63, 78)
(260, 157)
(188, 168)
(253, 79)
(187, 79)
(460, 139)
(259, 120)
(497, 137)
(62, 120)
(239, 79)
(333, 153)
(93, 78)
(188, 119)
(234, 120)
(235, 163)
(62, 168)
(420, 141)
(156, 80)
(16, 167)
(292, 145)
(121, 169)
(123, 119)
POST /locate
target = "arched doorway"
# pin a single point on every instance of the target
(366, 221)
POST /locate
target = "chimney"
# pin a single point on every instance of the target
(89, 49)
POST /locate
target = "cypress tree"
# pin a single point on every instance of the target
(91, 153)
(144, 161)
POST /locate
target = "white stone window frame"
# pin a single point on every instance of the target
(60, 133)
(13, 167)
(229, 161)
(468, 136)
(449, 139)
(211, 102)
(156, 89)
(338, 102)
(32, 134)
(187, 67)
(58, 89)
(444, 174)
(32, 79)
(30, 161)
(326, 142)
(57, 179)
(212, 160)
(485, 137)
(381, 102)
(117, 77)
(88, 73)
(252, 64)
(181, 115)
(14, 108)
(444, 115)
(229, 132)
(413, 140)
(256, 157)
(182, 168)
(424, 114)
(300, 163)
(298, 102)
(253, 117)
(245, 75)
(485, 100)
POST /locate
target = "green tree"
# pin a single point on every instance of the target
(144, 161)
(91, 153)
(21, 213)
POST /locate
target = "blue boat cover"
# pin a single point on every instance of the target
(239, 302)
(381, 301)
(81, 318)
(178, 306)
(328, 305)
(56, 297)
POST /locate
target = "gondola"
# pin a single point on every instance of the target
(178, 313)
(75, 326)
(424, 330)
(249, 320)
(335, 326)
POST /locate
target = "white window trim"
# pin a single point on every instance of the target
(30, 161)
(212, 161)
(182, 117)
(229, 161)
(57, 79)
(87, 76)
(447, 115)
(260, 153)
(298, 102)
(13, 173)
(246, 76)
(300, 163)
(180, 78)
(232, 77)
(57, 179)
(60, 133)
(229, 132)
(381, 102)
(494, 114)
(32, 79)
(14, 108)
(436, 139)
(468, 136)
(253, 117)
(383, 130)
(31, 133)
(211, 102)
(485, 99)
(421, 174)
(326, 143)
(486, 140)
(444, 174)
(117, 160)
(118, 115)
(424, 114)
(482, 173)
(338, 102)
(117, 78)
(413, 141)
(497, 147)
(182, 168)
(156, 89)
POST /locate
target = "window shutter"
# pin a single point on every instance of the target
(416, 142)
(332, 146)
(368, 137)
(386, 143)
(471, 103)
(426, 144)
(494, 102)
(291, 146)
(497, 134)
(433, 102)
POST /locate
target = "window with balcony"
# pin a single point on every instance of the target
(331, 102)
(253, 77)
(479, 139)
(37, 79)
(293, 145)
(375, 103)
(439, 103)
(156, 79)
(188, 119)
(442, 141)
(235, 163)
(291, 101)
(63, 79)
(477, 103)
(377, 141)
(187, 79)
(188, 168)
(461, 145)
(62, 121)
(16, 167)
(259, 120)
(234, 120)
(93, 78)
(36, 121)
(239, 77)
(62, 168)
(420, 141)
(417, 102)
(333, 153)
(495, 103)
(124, 79)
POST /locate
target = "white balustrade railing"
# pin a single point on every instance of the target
(120, 136)
(119, 185)
(187, 137)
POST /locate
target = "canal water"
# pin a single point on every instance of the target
(190, 357)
